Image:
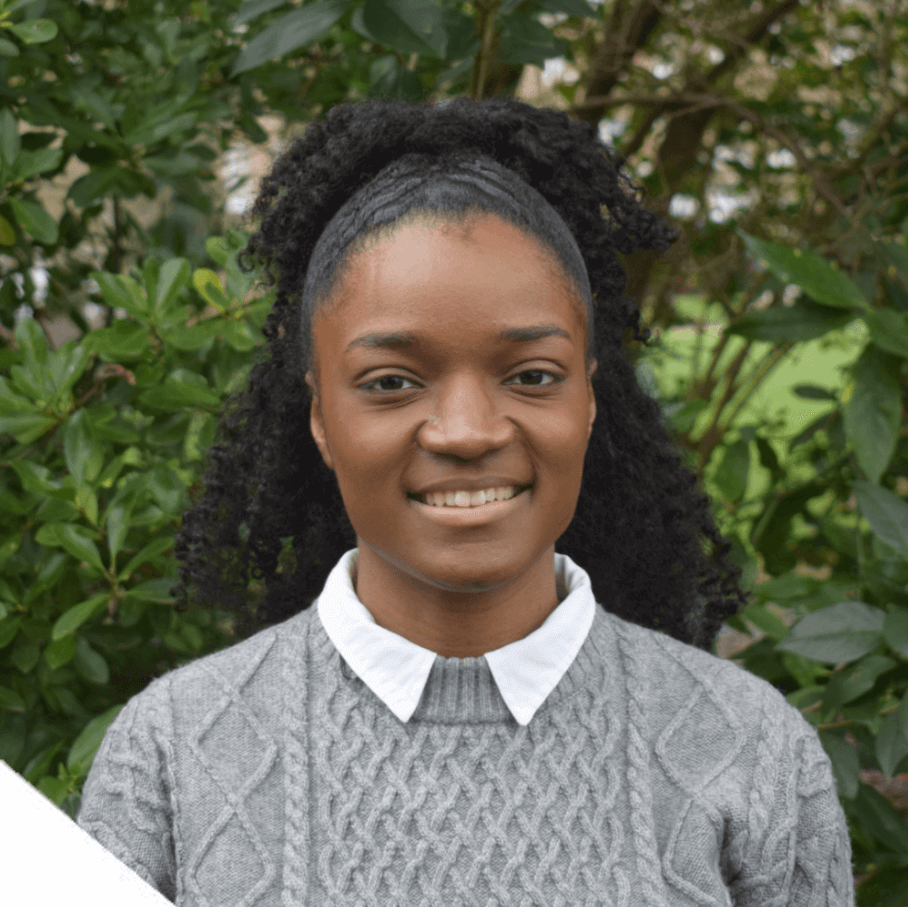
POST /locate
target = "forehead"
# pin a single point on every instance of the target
(476, 276)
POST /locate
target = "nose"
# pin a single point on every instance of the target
(468, 420)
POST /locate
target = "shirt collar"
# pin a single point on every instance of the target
(396, 669)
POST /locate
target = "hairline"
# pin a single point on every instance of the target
(447, 221)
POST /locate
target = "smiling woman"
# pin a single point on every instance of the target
(463, 317)
(485, 677)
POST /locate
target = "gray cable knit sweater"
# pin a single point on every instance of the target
(654, 774)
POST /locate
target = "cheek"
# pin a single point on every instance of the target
(566, 438)
(368, 453)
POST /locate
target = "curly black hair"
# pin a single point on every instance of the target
(270, 510)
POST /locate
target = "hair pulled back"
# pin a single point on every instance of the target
(271, 511)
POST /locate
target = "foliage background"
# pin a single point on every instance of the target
(774, 133)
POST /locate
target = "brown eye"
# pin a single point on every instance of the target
(539, 372)
(386, 378)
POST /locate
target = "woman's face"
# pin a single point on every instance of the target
(456, 406)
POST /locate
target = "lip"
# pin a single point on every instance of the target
(471, 485)
(471, 516)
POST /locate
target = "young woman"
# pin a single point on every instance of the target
(431, 705)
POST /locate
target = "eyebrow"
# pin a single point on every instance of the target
(405, 339)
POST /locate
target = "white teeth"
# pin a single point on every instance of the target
(469, 499)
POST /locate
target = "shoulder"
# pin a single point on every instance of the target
(687, 690)
(252, 666)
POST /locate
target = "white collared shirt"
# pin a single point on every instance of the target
(396, 670)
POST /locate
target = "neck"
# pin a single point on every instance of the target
(456, 623)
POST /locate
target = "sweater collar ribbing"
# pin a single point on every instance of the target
(397, 670)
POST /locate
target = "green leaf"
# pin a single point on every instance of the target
(147, 554)
(87, 744)
(8, 49)
(97, 107)
(39, 765)
(802, 321)
(239, 335)
(35, 31)
(93, 185)
(9, 627)
(75, 540)
(123, 341)
(11, 701)
(886, 512)
(838, 633)
(179, 391)
(252, 8)
(166, 488)
(889, 330)
(26, 428)
(812, 392)
(71, 620)
(408, 26)
(807, 270)
(854, 681)
(683, 415)
(872, 411)
(209, 287)
(83, 454)
(34, 220)
(896, 630)
(879, 818)
(885, 888)
(733, 469)
(25, 654)
(150, 272)
(87, 501)
(121, 291)
(7, 233)
(806, 671)
(764, 619)
(845, 764)
(117, 524)
(154, 590)
(68, 364)
(173, 276)
(891, 744)
(389, 78)
(10, 143)
(89, 664)
(32, 341)
(39, 481)
(294, 30)
(195, 337)
(526, 42)
(902, 715)
(30, 163)
(59, 652)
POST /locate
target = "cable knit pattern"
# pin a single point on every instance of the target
(653, 775)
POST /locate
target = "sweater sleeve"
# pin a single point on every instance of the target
(126, 800)
(799, 853)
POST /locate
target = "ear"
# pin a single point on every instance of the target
(317, 425)
(589, 382)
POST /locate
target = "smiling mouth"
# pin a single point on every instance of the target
(461, 503)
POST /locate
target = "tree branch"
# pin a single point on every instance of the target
(821, 183)
(485, 26)
(625, 33)
(771, 360)
(753, 35)
(712, 437)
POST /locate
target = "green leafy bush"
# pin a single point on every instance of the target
(100, 441)
(836, 646)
